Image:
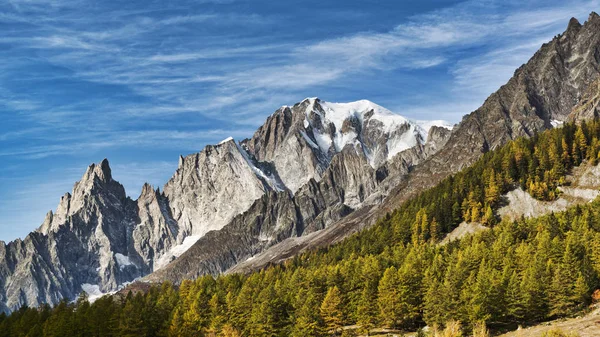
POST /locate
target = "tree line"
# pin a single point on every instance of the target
(394, 274)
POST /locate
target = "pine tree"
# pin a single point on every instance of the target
(409, 292)
(488, 217)
(217, 314)
(515, 303)
(579, 146)
(492, 190)
(434, 231)
(481, 296)
(132, 321)
(561, 292)
(366, 312)
(331, 311)
(268, 316)
(308, 320)
(433, 307)
(388, 300)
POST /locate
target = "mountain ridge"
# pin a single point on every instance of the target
(113, 239)
(494, 123)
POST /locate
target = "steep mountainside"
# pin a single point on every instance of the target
(542, 93)
(368, 150)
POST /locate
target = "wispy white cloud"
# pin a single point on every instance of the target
(138, 78)
(92, 141)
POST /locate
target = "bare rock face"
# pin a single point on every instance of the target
(211, 187)
(156, 232)
(543, 90)
(283, 142)
(272, 217)
(589, 104)
(85, 242)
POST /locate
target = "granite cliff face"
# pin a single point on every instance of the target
(332, 159)
(87, 242)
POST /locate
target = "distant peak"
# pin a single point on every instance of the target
(101, 170)
(147, 190)
(226, 140)
(573, 24)
(105, 169)
(593, 16)
(310, 99)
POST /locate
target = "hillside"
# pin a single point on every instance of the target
(556, 82)
(586, 325)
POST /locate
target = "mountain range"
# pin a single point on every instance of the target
(311, 175)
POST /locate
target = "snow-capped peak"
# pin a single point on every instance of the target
(228, 139)
(427, 125)
(388, 133)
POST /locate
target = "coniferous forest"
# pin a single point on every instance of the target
(394, 274)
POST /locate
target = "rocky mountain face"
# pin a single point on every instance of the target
(332, 158)
(589, 104)
(86, 242)
(559, 83)
(308, 166)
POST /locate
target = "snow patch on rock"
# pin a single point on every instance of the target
(308, 140)
(427, 125)
(176, 251)
(269, 179)
(228, 139)
(93, 291)
(123, 261)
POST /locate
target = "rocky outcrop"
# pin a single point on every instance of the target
(210, 187)
(86, 241)
(589, 104)
(156, 231)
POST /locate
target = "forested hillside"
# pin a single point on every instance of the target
(394, 274)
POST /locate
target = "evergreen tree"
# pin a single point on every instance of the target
(308, 320)
(331, 311)
(388, 300)
(132, 321)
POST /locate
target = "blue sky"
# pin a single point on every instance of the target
(140, 82)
